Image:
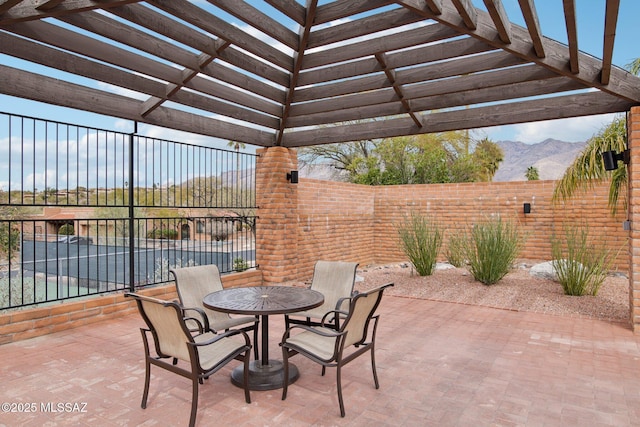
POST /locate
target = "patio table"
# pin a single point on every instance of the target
(264, 374)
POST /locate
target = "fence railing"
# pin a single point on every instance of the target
(85, 211)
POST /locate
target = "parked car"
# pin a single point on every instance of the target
(78, 240)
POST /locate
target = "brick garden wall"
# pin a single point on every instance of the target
(458, 206)
(341, 221)
(17, 325)
(301, 223)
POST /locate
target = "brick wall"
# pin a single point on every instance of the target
(342, 221)
(634, 215)
(299, 224)
(17, 325)
(457, 206)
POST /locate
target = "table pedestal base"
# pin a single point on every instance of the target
(264, 377)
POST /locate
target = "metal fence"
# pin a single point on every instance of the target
(85, 211)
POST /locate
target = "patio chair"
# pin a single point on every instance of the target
(334, 280)
(329, 347)
(205, 353)
(193, 284)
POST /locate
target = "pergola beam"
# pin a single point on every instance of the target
(590, 70)
(572, 34)
(523, 112)
(610, 23)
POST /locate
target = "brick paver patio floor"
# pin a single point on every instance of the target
(439, 364)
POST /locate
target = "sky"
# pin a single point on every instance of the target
(590, 22)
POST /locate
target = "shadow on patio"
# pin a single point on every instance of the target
(439, 364)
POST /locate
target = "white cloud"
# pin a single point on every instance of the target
(576, 129)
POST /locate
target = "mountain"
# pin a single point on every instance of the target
(551, 157)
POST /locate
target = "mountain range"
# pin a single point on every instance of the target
(551, 157)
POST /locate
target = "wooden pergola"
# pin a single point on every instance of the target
(280, 73)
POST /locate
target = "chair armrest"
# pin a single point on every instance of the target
(342, 300)
(201, 329)
(218, 337)
(325, 333)
(335, 316)
(204, 320)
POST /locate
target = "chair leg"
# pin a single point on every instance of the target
(339, 386)
(285, 379)
(147, 379)
(194, 402)
(373, 368)
(255, 342)
(245, 377)
(324, 370)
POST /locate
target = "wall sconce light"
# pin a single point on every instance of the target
(611, 159)
(526, 208)
(292, 177)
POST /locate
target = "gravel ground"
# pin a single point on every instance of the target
(518, 290)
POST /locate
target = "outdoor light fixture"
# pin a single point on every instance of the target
(527, 208)
(292, 177)
(611, 159)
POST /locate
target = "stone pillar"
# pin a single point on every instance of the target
(277, 223)
(633, 125)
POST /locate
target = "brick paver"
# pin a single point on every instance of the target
(439, 364)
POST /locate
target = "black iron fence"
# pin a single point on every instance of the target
(85, 211)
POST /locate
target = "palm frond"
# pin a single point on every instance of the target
(587, 169)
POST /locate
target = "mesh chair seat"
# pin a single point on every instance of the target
(193, 284)
(336, 347)
(321, 346)
(335, 281)
(172, 340)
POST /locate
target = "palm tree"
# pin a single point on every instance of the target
(589, 168)
(237, 146)
(532, 173)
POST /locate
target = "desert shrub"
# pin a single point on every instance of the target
(240, 264)
(164, 233)
(67, 230)
(420, 240)
(491, 249)
(581, 261)
(455, 250)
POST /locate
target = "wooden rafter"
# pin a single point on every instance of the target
(521, 46)
(8, 4)
(533, 25)
(397, 88)
(572, 34)
(28, 10)
(435, 6)
(500, 19)
(467, 11)
(49, 4)
(404, 66)
(610, 23)
(297, 66)
(527, 111)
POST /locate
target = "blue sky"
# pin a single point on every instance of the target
(590, 17)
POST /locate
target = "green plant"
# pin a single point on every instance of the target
(67, 230)
(455, 250)
(240, 264)
(164, 233)
(420, 239)
(492, 248)
(581, 262)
